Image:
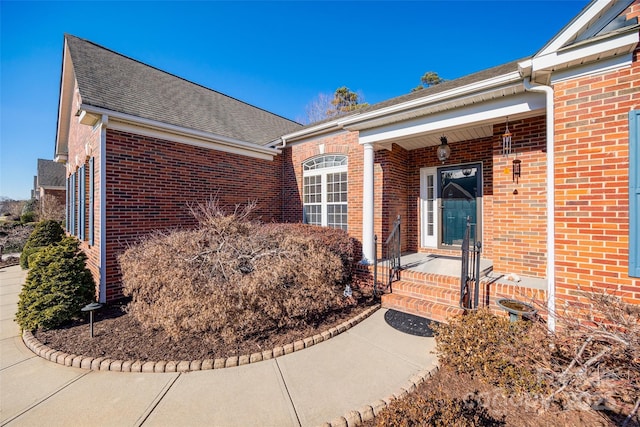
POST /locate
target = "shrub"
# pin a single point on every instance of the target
(57, 287)
(232, 277)
(45, 233)
(429, 410)
(13, 236)
(504, 353)
(27, 217)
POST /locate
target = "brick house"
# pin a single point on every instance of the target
(557, 206)
(49, 181)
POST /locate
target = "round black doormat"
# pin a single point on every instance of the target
(409, 323)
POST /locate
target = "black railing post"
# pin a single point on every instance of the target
(470, 255)
(375, 265)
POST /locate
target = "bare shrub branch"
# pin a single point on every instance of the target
(234, 277)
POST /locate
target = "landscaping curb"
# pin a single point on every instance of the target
(371, 411)
(106, 364)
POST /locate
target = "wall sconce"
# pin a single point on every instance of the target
(506, 141)
(516, 170)
(444, 151)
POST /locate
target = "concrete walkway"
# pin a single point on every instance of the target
(323, 383)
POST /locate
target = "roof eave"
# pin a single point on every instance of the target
(92, 114)
(360, 121)
(609, 45)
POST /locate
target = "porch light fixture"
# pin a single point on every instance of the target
(516, 170)
(506, 141)
(444, 151)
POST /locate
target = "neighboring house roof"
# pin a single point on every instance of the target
(114, 82)
(50, 174)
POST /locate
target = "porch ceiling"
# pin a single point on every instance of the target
(454, 134)
(461, 119)
(432, 139)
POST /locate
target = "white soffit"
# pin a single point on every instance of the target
(188, 140)
(590, 51)
(615, 63)
(460, 118)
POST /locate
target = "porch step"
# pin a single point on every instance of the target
(432, 310)
(434, 292)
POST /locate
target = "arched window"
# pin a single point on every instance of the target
(325, 190)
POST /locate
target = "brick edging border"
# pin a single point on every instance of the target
(106, 364)
(369, 412)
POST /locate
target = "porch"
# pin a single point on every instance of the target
(429, 286)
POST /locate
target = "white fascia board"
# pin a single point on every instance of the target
(456, 118)
(615, 63)
(311, 131)
(571, 54)
(316, 137)
(65, 102)
(569, 32)
(438, 97)
(152, 128)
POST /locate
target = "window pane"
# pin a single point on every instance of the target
(313, 214)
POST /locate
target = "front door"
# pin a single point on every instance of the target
(449, 196)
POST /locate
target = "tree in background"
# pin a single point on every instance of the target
(326, 106)
(430, 78)
(10, 207)
(51, 208)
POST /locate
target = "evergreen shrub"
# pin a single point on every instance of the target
(45, 233)
(58, 285)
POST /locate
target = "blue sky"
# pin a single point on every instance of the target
(275, 55)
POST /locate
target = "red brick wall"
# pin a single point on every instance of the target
(517, 222)
(84, 143)
(462, 152)
(391, 195)
(151, 181)
(592, 179)
(293, 157)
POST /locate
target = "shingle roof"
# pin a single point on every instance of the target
(109, 80)
(50, 173)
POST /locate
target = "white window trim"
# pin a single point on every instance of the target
(323, 172)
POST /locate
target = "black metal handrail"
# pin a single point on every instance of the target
(391, 264)
(470, 271)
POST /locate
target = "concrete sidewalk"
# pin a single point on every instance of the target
(352, 371)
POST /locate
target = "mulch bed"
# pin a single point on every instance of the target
(504, 410)
(119, 336)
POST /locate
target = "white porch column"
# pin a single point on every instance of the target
(368, 249)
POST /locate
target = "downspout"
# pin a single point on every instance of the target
(551, 203)
(103, 208)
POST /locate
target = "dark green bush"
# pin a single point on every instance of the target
(57, 287)
(27, 217)
(46, 233)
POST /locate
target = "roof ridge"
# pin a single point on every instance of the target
(66, 35)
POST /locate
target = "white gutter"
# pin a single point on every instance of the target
(340, 123)
(102, 294)
(483, 85)
(218, 139)
(551, 203)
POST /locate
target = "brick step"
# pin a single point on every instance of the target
(427, 291)
(431, 310)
